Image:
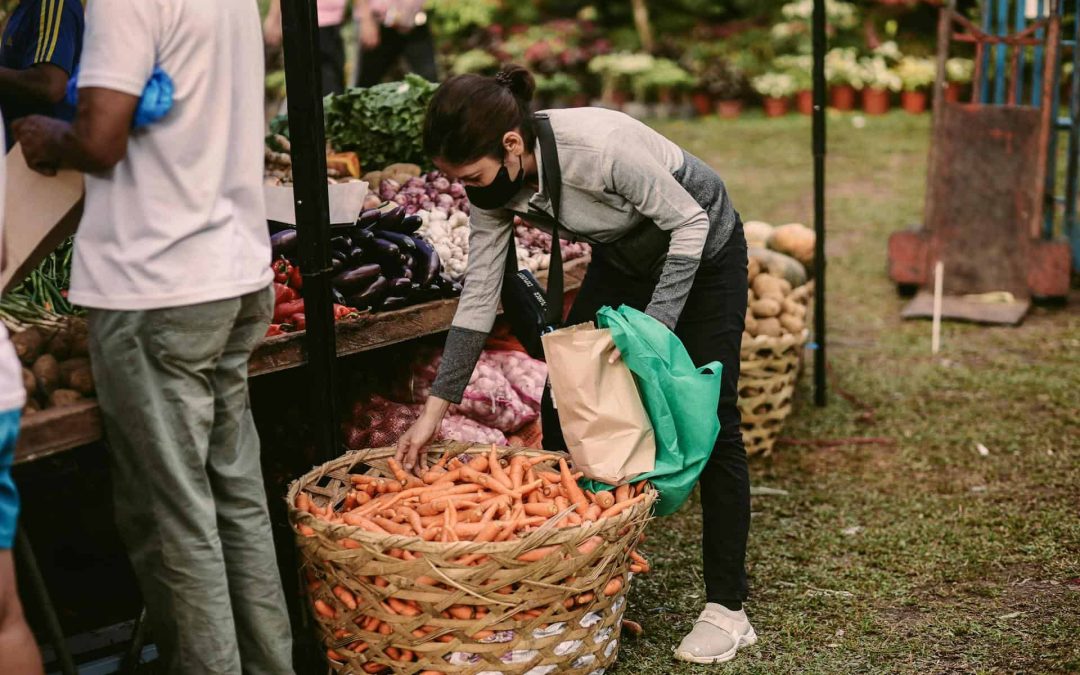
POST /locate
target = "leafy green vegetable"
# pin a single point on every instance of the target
(46, 287)
(383, 124)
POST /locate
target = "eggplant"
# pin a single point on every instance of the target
(341, 243)
(391, 220)
(361, 237)
(385, 247)
(370, 296)
(339, 299)
(409, 224)
(394, 302)
(358, 256)
(340, 256)
(428, 262)
(336, 265)
(351, 280)
(403, 241)
(368, 219)
(284, 242)
(401, 286)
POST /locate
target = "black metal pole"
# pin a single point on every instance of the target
(820, 46)
(303, 83)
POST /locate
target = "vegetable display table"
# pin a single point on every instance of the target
(60, 429)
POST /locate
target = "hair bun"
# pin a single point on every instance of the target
(518, 81)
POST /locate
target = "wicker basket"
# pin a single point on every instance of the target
(499, 630)
(768, 370)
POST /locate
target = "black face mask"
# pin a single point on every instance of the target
(499, 191)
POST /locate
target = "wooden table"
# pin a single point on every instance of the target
(60, 429)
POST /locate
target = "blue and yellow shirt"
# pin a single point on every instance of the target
(41, 31)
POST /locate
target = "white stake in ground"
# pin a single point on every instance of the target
(935, 334)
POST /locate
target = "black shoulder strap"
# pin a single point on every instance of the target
(549, 155)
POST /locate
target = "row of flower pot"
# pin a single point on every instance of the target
(875, 101)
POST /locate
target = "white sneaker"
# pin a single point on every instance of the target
(717, 636)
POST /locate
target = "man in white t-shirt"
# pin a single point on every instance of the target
(18, 650)
(172, 259)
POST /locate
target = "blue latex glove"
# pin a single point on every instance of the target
(155, 103)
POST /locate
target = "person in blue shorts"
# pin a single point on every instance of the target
(39, 52)
(18, 651)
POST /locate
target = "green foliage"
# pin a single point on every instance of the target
(384, 123)
(451, 18)
(557, 85)
(474, 61)
(47, 285)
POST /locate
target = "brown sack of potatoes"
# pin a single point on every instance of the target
(751, 322)
(47, 372)
(753, 268)
(795, 240)
(766, 307)
(794, 308)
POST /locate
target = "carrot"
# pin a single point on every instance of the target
(605, 499)
(346, 598)
(496, 469)
(406, 479)
(464, 612)
(622, 506)
(482, 634)
(372, 667)
(638, 558)
(517, 471)
(537, 553)
(592, 513)
(640, 487)
(622, 493)
(402, 608)
(632, 627)
(639, 569)
(350, 543)
(586, 598)
(613, 586)
(546, 509)
(306, 530)
(359, 646)
(360, 521)
(463, 489)
(589, 545)
(411, 517)
(549, 477)
(381, 582)
(392, 527)
(303, 502)
(333, 656)
(324, 610)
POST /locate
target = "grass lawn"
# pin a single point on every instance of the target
(923, 556)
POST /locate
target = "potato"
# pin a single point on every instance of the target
(795, 240)
(780, 265)
(63, 397)
(792, 324)
(767, 284)
(747, 337)
(765, 308)
(59, 344)
(28, 344)
(80, 339)
(753, 268)
(373, 178)
(751, 322)
(47, 372)
(785, 286)
(757, 233)
(29, 382)
(76, 374)
(770, 327)
(793, 307)
(410, 170)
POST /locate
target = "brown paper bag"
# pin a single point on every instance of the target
(40, 212)
(603, 420)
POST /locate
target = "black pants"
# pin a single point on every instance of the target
(710, 328)
(332, 56)
(417, 46)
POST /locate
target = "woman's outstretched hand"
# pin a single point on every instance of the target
(412, 446)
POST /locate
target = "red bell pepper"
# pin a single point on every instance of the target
(343, 312)
(285, 310)
(281, 268)
(283, 293)
(298, 321)
(274, 329)
(295, 279)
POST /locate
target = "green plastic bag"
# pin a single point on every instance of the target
(680, 398)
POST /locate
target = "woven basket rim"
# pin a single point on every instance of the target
(545, 536)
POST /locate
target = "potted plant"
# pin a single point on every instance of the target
(726, 84)
(662, 81)
(844, 76)
(879, 80)
(916, 75)
(557, 90)
(615, 71)
(958, 72)
(800, 68)
(775, 88)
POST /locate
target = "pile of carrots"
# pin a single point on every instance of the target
(477, 498)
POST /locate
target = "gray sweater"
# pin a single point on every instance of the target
(616, 172)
